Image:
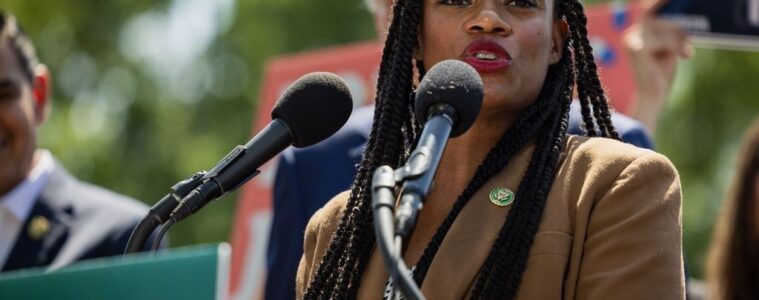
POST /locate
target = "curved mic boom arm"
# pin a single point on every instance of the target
(416, 178)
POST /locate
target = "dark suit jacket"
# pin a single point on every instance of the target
(86, 222)
(307, 178)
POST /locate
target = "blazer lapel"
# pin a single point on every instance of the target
(458, 261)
(472, 235)
(374, 279)
(45, 230)
(39, 240)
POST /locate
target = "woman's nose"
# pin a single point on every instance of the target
(487, 20)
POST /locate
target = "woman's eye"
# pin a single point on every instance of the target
(456, 2)
(522, 3)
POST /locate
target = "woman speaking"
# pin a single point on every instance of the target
(519, 209)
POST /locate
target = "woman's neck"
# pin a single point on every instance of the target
(466, 152)
(461, 158)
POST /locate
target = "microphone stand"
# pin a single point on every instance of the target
(189, 195)
(416, 178)
(161, 212)
(389, 241)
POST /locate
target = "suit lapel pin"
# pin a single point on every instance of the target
(501, 196)
(38, 228)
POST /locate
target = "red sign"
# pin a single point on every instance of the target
(358, 66)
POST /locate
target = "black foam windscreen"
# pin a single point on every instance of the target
(314, 107)
(455, 83)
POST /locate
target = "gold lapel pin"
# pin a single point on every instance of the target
(38, 228)
(501, 196)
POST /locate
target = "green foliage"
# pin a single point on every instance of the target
(116, 124)
(713, 102)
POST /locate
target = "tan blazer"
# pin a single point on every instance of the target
(611, 229)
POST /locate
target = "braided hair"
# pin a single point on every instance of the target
(544, 122)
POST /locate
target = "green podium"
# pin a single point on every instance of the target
(199, 272)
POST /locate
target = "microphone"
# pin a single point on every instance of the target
(447, 102)
(310, 110)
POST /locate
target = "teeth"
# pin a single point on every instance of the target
(486, 56)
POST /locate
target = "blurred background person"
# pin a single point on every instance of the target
(47, 217)
(654, 47)
(733, 267)
(307, 178)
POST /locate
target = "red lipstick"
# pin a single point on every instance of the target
(487, 56)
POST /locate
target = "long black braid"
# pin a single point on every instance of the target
(591, 93)
(349, 247)
(544, 122)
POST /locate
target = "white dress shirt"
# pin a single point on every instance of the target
(16, 205)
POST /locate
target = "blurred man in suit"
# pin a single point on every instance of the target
(47, 217)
